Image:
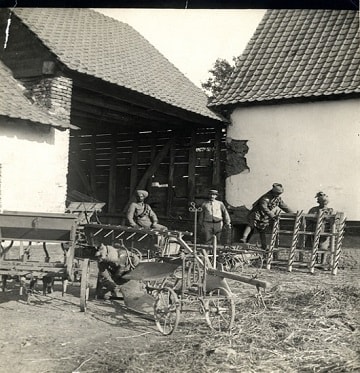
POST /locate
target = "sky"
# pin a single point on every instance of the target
(192, 39)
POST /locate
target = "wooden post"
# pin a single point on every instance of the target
(217, 153)
(317, 233)
(214, 251)
(340, 218)
(333, 242)
(134, 167)
(112, 176)
(192, 167)
(171, 178)
(93, 165)
(274, 236)
(295, 238)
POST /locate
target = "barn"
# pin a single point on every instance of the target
(140, 122)
(294, 105)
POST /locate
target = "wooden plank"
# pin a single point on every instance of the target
(134, 167)
(92, 160)
(150, 171)
(216, 163)
(112, 177)
(171, 178)
(192, 168)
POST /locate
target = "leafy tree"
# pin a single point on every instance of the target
(220, 73)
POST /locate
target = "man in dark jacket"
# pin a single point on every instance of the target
(263, 211)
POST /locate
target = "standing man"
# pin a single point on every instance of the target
(213, 217)
(264, 210)
(141, 215)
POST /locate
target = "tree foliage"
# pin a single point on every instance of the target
(220, 73)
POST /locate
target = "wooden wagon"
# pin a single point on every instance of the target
(20, 231)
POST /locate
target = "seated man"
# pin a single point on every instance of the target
(113, 263)
(324, 242)
(141, 215)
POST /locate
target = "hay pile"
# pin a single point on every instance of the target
(308, 325)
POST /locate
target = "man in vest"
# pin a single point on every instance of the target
(141, 215)
(213, 217)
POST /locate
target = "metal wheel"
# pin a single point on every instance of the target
(84, 284)
(167, 311)
(219, 309)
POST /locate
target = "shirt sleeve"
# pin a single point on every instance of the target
(225, 214)
(284, 206)
(130, 215)
(152, 216)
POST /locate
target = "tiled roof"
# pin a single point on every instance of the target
(91, 43)
(14, 104)
(297, 54)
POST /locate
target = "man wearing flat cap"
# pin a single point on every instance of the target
(213, 217)
(263, 211)
(141, 215)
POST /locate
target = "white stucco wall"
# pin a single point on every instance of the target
(34, 163)
(306, 147)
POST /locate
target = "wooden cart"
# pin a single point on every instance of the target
(20, 231)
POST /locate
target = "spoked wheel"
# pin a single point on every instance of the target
(84, 285)
(167, 311)
(219, 310)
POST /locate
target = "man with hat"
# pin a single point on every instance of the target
(141, 215)
(213, 217)
(323, 201)
(263, 211)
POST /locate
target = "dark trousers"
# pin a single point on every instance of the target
(210, 230)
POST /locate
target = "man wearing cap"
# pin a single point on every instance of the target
(264, 210)
(323, 201)
(141, 215)
(213, 217)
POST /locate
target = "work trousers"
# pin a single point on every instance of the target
(212, 229)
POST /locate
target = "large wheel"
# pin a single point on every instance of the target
(219, 309)
(84, 284)
(167, 311)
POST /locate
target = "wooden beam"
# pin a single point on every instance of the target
(134, 167)
(192, 167)
(112, 176)
(150, 171)
(171, 177)
(92, 161)
(216, 163)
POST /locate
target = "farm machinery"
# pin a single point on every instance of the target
(175, 274)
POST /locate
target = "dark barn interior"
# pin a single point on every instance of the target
(125, 144)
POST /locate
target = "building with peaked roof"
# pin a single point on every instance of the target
(28, 132)
(294, 105)
(142, 123)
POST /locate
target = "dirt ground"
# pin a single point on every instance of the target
(51, 334)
